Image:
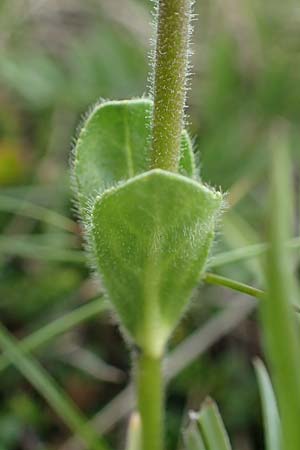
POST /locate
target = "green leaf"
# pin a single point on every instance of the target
(151, 238)
(114, 145)
(192, 438)
(269, 406)
(212, 427)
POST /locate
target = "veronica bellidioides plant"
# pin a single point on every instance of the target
(148, 218)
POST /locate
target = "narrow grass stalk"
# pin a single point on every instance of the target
(47, 387)
(279, 323)
(169, 81)
(58, 326)
(36, 212)
(27, 248)
(218, 280)
(250, 251)
(150, 401)
(134, 432)
(212, 427)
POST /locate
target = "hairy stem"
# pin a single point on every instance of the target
(150, 401)
(170, 75)
(169, 90)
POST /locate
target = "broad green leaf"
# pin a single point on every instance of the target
(192, 438)
(212, 427)
(269, 406)
(151, 239)
(114, 146)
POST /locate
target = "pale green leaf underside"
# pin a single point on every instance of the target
(151, 239)
(114, 145)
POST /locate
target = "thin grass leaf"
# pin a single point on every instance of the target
(134, 433)
(59, 326)
(219, 280)
(279, 323)
(36, 212)
(250, 251)
(212, 427)
(25, 248)
(238, 233)
(269, 406)
(47, 387)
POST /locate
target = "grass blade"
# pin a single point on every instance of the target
(250, 251)
(218, 280)
(47, 387)
(192, 437)
(134, 432)
(279, 323)
(57, 327)
(36, 212)
(25, 248)
(239, 233)
(212, 427)
(269, 406)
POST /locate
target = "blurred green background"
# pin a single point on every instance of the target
(57, 58)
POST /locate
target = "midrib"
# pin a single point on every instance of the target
(128, 149)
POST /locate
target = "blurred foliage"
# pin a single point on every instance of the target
(56, 59)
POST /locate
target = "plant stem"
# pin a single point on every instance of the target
(169, 84)
(212, 278)
(150, 401)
